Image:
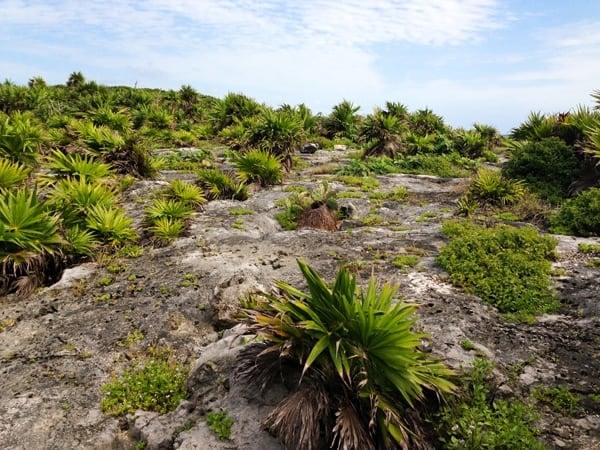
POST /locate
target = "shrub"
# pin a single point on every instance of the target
(165, 228)
(450, 165)
(505, 266)
(63, 165)
(159, 386)
(360, 370)
(548, 167)
(220, 422)
(579, 216)
(475, 421)
(186, 192)
(111, 225)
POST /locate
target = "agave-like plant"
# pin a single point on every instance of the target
(11, 174)
(360, 371)
(258, 166)
(30, 245)
(343, 121)
(221, 185)
(80, 241)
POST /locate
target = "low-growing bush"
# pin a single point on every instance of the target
(158, 385)
(507, 267)
(579, 216)
(474, 420)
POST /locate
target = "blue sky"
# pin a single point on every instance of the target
(483, 61)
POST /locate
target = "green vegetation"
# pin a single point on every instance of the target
(300, 201)
(507, 267)
(579, 216)
(156, 385)
(474, 421)
(404, 261)
(589, 249)
(357, 359)
(220, 422)
(559, 398)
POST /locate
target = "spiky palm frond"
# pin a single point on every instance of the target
(258, 166)
(12, 174)
(74, 165)
(30, 246)
(278, 133)
(98, 139)
(111, 225)
(173, 209)
(20, 138)
(343, 121)
(222, 185)
(105, 115)
(73, 198)
(80, 241)
(165, 228)
(489, 186)
(188, 193)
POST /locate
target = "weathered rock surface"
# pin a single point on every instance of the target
(63, 343)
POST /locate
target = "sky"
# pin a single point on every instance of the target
(485, 61)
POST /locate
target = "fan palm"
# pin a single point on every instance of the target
(64, 165)
(343, 121)
(278, 133)
(360, 370)
(29, 239)
(20, 138)
(258, 166)
(383, 133)
(222, 185)
(11, 174)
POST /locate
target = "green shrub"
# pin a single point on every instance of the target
(220, 422)
(450, 165)
(186, 192)
(222, 185)
(559, 398)
(548, 167)
(473, 421)
(505, 266)
(12, 174)
(579, 216)
(159, 386)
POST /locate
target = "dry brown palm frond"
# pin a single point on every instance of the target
(301, 419)
(350, 432)
(320, 218)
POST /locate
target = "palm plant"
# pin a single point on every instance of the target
(173, 209)
(383, 133)
(360, 373)
(74, 165)
(417, 143)
(74, 198)
(278, 133)
(232, 108)
(186, 192)
(80, 241)
(111, 225)
(30, 246)
(222, 185)
(20, 138)
(165, 229)
(11, 174)
(107, 116)
(343, 121)
(425, 121)
(258, 166)
(76, 79)
(396, 109)
(490, 187)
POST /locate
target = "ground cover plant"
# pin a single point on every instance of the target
(361, 375)
(507, 267)
(475, 420)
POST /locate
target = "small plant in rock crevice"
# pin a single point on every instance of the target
(220, 422)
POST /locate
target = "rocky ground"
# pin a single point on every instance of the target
(60, 345)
